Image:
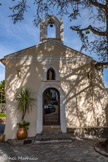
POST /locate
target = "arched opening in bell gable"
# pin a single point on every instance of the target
(51, 30)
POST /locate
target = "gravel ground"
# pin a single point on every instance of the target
(76, 151)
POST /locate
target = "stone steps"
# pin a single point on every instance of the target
(54, 127)
(54, 134)
(59, 136)
(51, 129)
(52, 138)
(53, 141)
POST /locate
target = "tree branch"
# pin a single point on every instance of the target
(90, 28)
(97, 4)
(101, 65)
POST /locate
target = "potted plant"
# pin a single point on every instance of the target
(24, 105)
(22, 131)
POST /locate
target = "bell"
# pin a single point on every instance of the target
(51, 24)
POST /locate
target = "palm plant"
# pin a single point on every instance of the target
(24, 101)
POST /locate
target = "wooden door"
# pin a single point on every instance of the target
(51, 107)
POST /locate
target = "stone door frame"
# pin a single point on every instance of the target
(39, 124)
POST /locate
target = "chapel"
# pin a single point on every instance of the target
(67, 87)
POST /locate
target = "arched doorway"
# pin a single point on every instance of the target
(51, 107)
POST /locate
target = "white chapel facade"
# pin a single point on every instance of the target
(67, 88)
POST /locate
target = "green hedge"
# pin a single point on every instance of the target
(2, 115)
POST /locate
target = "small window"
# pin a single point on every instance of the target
(50, 74)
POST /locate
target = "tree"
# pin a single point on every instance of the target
(24, 101)
(73, 9)
(2, 92)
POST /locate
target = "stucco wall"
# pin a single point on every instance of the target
(86, 97)
(27, 69)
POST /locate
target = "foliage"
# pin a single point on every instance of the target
(23, 124)
(24, 101)
(73, 8)
(2, 92)
(2, 115)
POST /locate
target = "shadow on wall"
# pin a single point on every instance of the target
(81, 82)
(86, 96)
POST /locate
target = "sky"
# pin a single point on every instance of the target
(14, 37)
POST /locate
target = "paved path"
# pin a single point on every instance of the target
(77, 151)
(6, 153)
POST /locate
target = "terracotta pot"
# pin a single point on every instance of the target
(22, 133)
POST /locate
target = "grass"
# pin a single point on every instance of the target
(2, 115)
